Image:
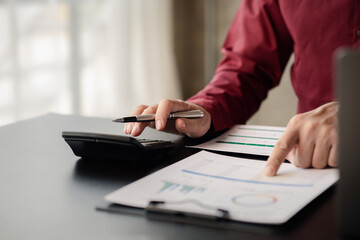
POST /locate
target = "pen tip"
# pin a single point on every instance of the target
(118, 120)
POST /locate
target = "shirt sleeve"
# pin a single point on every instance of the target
(256, 50)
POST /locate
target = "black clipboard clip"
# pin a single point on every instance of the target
(221, 220)
(154, 207)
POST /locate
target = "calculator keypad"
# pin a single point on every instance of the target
(154, 144)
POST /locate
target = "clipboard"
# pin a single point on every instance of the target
(222, 224)
(219, 188)
(154, 213)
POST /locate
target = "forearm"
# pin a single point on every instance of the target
(231, 100)
(256, 51)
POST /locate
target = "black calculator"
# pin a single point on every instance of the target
(108, 146)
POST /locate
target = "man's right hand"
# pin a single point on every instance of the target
(191, 127)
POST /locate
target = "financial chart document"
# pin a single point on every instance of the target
(249, 139)
(205, 182)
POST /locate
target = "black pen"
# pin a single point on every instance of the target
(151, 117)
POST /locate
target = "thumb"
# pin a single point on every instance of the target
(285, 144)
(193, 127)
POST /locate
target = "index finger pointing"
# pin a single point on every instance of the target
(284, 145)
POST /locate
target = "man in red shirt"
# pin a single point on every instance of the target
(261, 38)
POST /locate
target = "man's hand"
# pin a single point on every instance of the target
(310, 140)
(191, 127)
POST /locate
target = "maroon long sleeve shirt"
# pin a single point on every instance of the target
(260, 40)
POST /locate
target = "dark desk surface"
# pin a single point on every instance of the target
(48, 193)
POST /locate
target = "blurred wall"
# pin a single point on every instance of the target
(189, 44)
(190, 31)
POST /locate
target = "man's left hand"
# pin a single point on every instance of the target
(310, 140)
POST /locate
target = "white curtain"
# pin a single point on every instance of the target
(136, 52)
(94, 58)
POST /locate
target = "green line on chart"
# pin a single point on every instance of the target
(248, 144)
(234, 135)
(268, 130)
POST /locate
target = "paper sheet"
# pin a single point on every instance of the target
(206, 181)
(249, 139)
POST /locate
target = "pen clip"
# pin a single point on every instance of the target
(155, 207)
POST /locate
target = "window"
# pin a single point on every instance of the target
(94, 58)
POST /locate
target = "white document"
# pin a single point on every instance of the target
(249, 139)
(205, 182)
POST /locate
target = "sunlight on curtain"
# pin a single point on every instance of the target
(33, 57)
(107, 58)
(128, 49)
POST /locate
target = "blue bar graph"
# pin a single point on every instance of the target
(169, 186)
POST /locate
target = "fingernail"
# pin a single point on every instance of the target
(128, 128)
(269, 171)
(159, 124)
(135, 130)
(125, 129)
